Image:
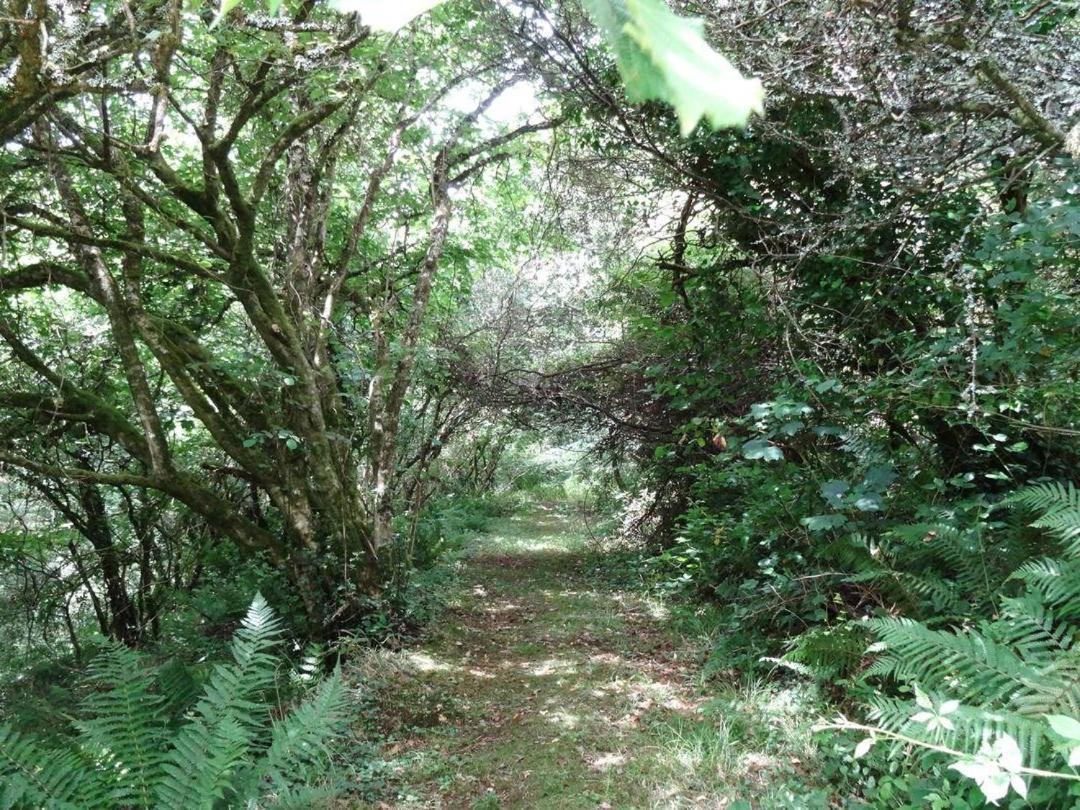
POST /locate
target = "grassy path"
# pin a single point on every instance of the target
(546, 688)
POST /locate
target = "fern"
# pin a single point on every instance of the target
(125, 727)
(928, 569)
(1009, 671)
(1059, 505)
(34, 776)
(226, 751)
(300, 738)
(945, 556)
(177, 686)
(972, 726)
(970, 665)
(827, 653)
(227, 720)
(1056, 582)
(1031, 630)
(203, 764)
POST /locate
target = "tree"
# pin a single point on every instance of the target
(221, 211)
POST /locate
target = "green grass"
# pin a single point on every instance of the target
(548, 686)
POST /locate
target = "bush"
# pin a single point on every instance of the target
(1002, 697)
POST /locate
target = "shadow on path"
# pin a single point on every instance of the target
(543, 687)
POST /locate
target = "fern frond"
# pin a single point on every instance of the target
(953, 556)
(1047, 496)
(794, 666)
(969, 665)
(201, 768)
(829, 652)
(1029, 627)
(943, 595)
(1011, 671)
(178, 687)
(32, 776)
(227, 753)
(228, 719)
(258, 631)
(304, 797)
(300, 740)
(972, 726)
(298, 753)
(895, 578)
(853, 553)
(125, 726)
(1059, 504)
(1058, 583)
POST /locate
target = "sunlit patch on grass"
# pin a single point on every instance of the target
(757, 762)
(694, 755)
(550, 666)
(525, 546)
(606, 762)
(379, 666)
(656, 610)
(563, 719)
(606, 658)
(789, 701)
(548, 686)
(422, 662)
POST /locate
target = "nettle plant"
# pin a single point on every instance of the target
(1000, 700)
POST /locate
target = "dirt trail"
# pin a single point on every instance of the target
(544, 688)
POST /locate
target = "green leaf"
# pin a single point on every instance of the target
(761, 448)
(792, 427)
(819, 523)
(1067, 727)
(833, 492)
(664, 57)
(224, 8)
(880, 476)
(868, 503)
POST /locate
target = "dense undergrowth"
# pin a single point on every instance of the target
(936, 668)
(275, 724)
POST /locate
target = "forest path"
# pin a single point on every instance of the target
(546, 686)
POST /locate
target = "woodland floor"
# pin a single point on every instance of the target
(544, 687)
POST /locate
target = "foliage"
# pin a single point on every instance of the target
(1004, 692)
(841, 352)
(137, 743)
(665, 57)
(660, 55)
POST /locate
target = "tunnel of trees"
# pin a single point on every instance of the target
(777, 297)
